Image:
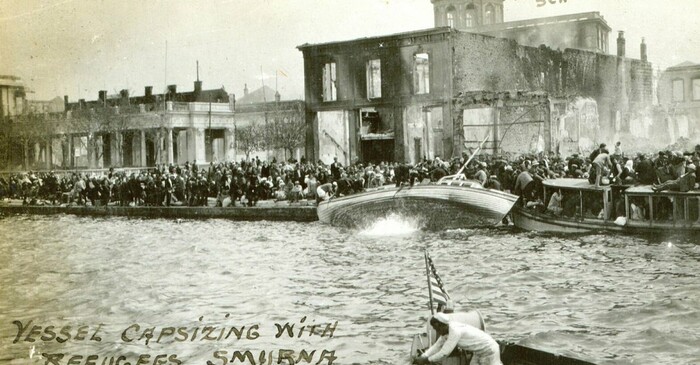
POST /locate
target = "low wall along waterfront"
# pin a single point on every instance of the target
(273, 212)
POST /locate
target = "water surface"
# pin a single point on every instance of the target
(609, 299)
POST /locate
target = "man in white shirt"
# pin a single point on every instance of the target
(463, 336)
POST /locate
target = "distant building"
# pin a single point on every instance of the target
(55, 105)
(466, 14)
(587, 31)
(265, 108)
(679, 95)
(12, 96)
(153, 129)
(124, 131)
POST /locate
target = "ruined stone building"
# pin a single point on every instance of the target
(679, 100)
(438, 92)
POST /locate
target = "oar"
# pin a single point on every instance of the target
(471, 157)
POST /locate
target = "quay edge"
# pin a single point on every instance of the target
(270, 213)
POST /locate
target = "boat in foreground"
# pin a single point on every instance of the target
(511, 354)
(450, 204)
(587, 208)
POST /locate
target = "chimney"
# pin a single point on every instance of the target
(172, 89)
(149, 91)
(102, 95)
(81, 103)
(65, 102)
(197, 87)
(245, 90)
(277, 96)
(621, 44)
(643, 51)
(124, 93)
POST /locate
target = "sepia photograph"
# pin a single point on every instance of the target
(365, 182)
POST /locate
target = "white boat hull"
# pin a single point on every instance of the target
(433, 206)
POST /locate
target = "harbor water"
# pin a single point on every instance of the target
(155, 291)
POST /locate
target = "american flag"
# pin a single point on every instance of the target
(437, 289)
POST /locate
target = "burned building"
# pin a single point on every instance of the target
(393, 97)
(679, 98)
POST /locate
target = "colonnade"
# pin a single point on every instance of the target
(132, 148)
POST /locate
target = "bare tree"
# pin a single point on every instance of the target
(286, 129)
(20, 133)
(250, 138)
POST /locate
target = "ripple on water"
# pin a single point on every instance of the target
(604, 298)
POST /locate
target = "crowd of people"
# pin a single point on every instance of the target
(247, 182)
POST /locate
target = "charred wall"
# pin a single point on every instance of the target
(620, 86)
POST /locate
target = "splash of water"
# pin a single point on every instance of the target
(392, 225)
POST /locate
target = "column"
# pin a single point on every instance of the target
(71, 153)
(49, 153)
(200, 152)
(169, 145)
(192, 145)
(116, 153)
(230, 144)
(142, 143)
(99, 152)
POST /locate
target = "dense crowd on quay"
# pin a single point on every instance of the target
(246, 182)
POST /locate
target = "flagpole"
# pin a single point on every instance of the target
(430, 287)
(430, 295)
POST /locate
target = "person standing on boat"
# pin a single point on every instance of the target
(618, 149)
(525, 184)
(598, 151)
(481, 176)
(645, 172)
(599, 167)
(453, 335)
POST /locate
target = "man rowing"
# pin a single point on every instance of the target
(454, 334)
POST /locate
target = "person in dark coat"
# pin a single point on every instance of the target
(645, 172)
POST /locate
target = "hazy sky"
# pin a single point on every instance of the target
(76, 48)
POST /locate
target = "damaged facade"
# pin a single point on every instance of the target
(397, 97)
(679, 100)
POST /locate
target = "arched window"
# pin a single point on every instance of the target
(489, 14)
(469, 19)
(451, 17)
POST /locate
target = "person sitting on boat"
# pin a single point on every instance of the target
(682, 184)
(453, 335)
(626, 176)
(326, 191)
(554, 205)
(573, 164)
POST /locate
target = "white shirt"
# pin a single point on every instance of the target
(468, 338)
